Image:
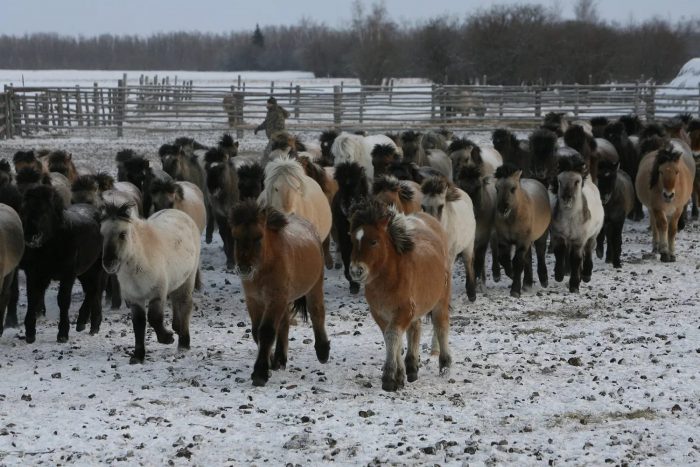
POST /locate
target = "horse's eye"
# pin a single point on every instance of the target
(122, 235)
(374, 243)
(512, 190)
(576, 184)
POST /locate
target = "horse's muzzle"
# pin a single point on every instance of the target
(245, 272)
(605, 199)
(359, 272)
(668, 197)
(111, 267)
(36, 241)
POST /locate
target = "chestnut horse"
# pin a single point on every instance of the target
(405, 265)
(404, 195)
(664, 185)
(280, 261)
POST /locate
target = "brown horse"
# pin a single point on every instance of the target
(405, 265)
(664, 185)
(280, 261)
(405, 195)
(694, 134)
(62, 162)
(523, 214)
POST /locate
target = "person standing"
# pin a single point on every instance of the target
(275, 119)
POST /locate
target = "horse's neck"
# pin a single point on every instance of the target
(137, 248)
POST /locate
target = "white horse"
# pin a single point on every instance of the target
(183, 196)
(289, 190)
(576, 222)
(349, 147)
(154, 259)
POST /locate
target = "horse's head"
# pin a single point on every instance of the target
(382, 156)
(5, 173)
(464, 153)
(216, 163)
(250, 180)
(120, 159)
(616, 134)
(507, 188)
(665, 171)
(29, 177)
(85, 190)
(137, 170)
(543, 144)
(115, 227)
(250, 223)
(437, 192)
(694, 133)
(572, 173)
(556, 122)
(607, 179)
(470, 180)
(411, 144)
(62, 162)
(504, 141)
(171, 157)
(390, 191)
(26, 159)
(598, 125)
(404, 170)
(165, 193)
(352, 185)
(284, 184)
(42, 214)
(228, 145)
(377, 233)
(577, 138)
(633, 125)
(326, 139)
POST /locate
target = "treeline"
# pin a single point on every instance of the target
(508, 44)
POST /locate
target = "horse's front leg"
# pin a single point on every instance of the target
(412, 361)
(672, 231)
(587, 269)
(279, 359)
(527, 270)
(541, 251)
(138, 320)
(227, 239)
(654, 232)
(155, 319)
(5, 292)
(575, 259)
(394, 370)
(518, 264)
(317, 311)
(11, 316)
(65, 288)
(266, 338)
(209, 231)
(495, 266)
(560, 252)
(600, 242)
(504, 258)
(470, 280)
(36, 289)
(662, 230)
(327, 257)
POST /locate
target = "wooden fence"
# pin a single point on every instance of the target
(184, 107)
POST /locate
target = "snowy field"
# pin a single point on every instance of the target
(607, 376)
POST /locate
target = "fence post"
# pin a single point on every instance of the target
(118, 107)
(239, 102)
(538, 101)
(651, 104)
(362, 104)
(500, 102)
(95, 118)
(78, 106)
(391, 90)
(576, 99)
(337, 106)
(297, 100)
(636, 97)
(433, 87)
(9, 119)
(272, 88)
(36, 113)
(698, 99)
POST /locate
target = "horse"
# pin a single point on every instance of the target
(139, 172)
(155, 259)
(280, 262)
(556, 122)
(598, 125)
(189, 145)
(289, 190)
(410, 171)
(326, 140)
(523, 215)
(543, 147)
(513, 151)
(664, 185)
(185, 167)
(405, 196)
(617, 195)
(251, 179)
(11, 251)
(353, 187)
(412, 147)
(694, 134)
(454, 210)
(466, 153)
(228, 146)
(183, 196)
(633, 125)
(62, 162)
(383, 155)
(405, 265)
(348, 147)
(629, 158)
(92, 189)
(9, 193)
(120, 159)
(482, 192)
(29, 177)
(28, 159)
(61, 244)
(676, 129)
(577, 138)
(576, 221)
(222, 184)
(438, 139)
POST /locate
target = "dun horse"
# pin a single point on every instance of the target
(280, 262)
(11, 250)
(154, 259)
(523, 214)
(404, 263)
(465, 153)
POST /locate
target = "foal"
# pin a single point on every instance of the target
(280, 262)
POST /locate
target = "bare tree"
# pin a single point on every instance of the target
(586, 11)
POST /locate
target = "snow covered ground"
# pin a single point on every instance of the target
(606, 376)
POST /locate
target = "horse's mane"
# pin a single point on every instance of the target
(615, 128)
(104, 180)
(600, 121)
(653, 129)
(506, 170)
(632, 123)
(664, 155)
(164, 186)
(499, 133)
(328, 136)
(573, 163)
(463, 143)
(410, 136)
(651, 143)
(279, 140)
(575, 137)
(254, 170)
(58, 156)
(411, 169)
(435, 186)
(693, 125)
(28, 175)
(24, 156)
(85, 183)
(226, 141)
(168, 149)
(248, 212)
(349, 174)
(288, 169)
(314, 171)
(684, 117)
(543, 139)
(445, 132)
(136, 163)
(473, 171)
(674, 124)
(121, 211)
(383, 150)
(391, 183)
(372, 212)
(124, 155)
(214, 155)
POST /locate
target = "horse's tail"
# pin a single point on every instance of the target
(299, 306)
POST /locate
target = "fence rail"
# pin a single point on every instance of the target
(184, 107)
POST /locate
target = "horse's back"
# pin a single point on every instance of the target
(462, 225)
(643, 179)
(606, 151)
(84, 231)
(541, 207)
(316, 208)
(193, 204)
(62, 185)
(595, 207)
(440, 161)
(11, 239)
(626, 190)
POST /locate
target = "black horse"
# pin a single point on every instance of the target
(138, 171)
(62, 245)
(251, 178)
(222, 185)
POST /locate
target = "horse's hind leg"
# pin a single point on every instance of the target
(441, 328)
(615, 241)
(11, 316)
(327, 257)
(541, 251)
(317, 311)
(65, 288)
(662, 229)
(36, 289)
(394, 370)
(155, 318)
(227, 240)
(93, 282)
(412, 354)
(115, 291)
(138, 320)
(527, 266)
(5, 292)
(672, 231)
(576, 258)
(504, 258)
(519, 260)
(495, 265)
(468, 260)
(587, 270)
(600, 243)
(209, 231)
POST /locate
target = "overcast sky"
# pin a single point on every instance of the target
(91, 17)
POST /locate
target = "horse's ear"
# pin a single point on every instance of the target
(517, 175)
(383, 223)
(617, 165)
(179, 192)
(235, 144)
(69, 156)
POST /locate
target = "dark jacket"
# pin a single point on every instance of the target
(274, 120)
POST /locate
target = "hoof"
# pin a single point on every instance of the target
(134, 360)
(278, 365)
(94, 330)
(230, 265)
(390, 385)
(599, 254)
(209, 238)
(586, 279)
(80, 327)
(62, 339)
(166, 338)
(573, 288)
(496, 277)
(259, 380)
(544, 284)
(338, 265)
(515, 294)
(527, 287)
(183, 342)
(667, 258)
(617, 265)
(411, 377)
(322, 351)
(10, 322)
(30, 339)
(115, 306)
(354, 288)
